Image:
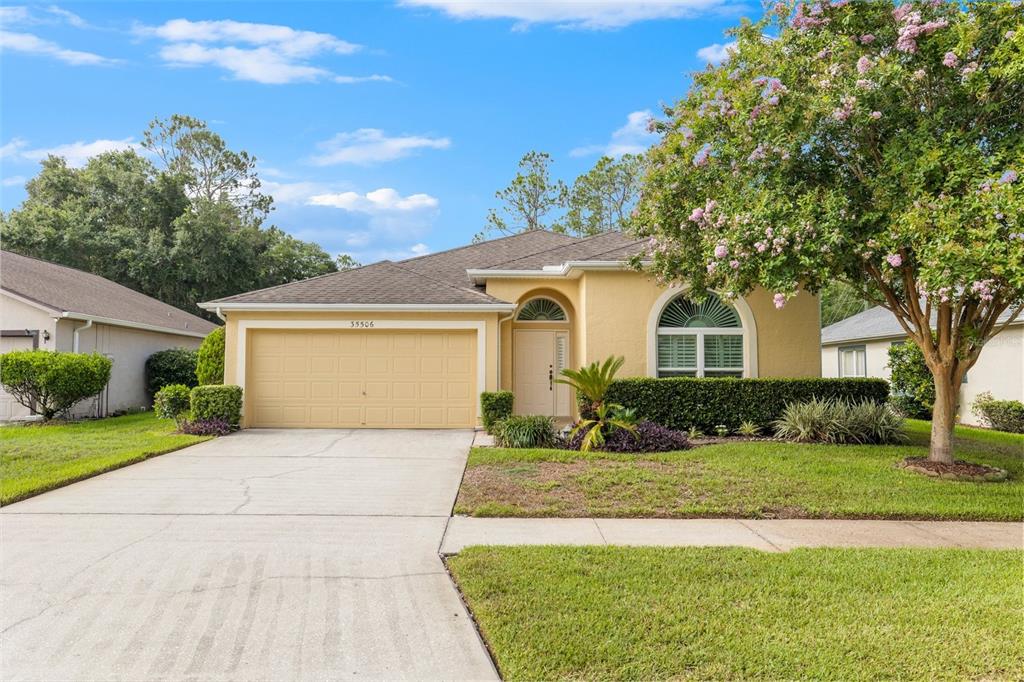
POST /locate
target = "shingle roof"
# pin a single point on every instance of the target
(451, 265)
(65, 289)
(874, 323)
(608, 246)
(440, 278)
(383, 283)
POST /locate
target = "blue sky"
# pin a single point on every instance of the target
(382, 129)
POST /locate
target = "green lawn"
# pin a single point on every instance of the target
(615, 613)
(35, 458)
(746, 479)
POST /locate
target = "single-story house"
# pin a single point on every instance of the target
(413, 343)
(859, 347)
(52, 307)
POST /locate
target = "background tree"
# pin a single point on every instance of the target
(603, 198)
(210, 171)
(867, 143)
(839, 301)
(183, 234)
(529, 199)
(346, 262)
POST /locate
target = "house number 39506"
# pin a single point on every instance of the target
(361, 324)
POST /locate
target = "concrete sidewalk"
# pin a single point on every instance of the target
(767, 535)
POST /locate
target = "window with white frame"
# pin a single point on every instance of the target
(853, 361)
(700, 339)
(541, 310)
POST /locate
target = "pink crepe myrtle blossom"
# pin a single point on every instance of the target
(734, 264)
(1009, 35)
(697, 215)
(950, 59)
(970, 68)
(760, 246)
(919, 75)
(867, 39)
(721, 250)
(894, 259)
(863, 65)
(842, 113)
(711, 267)
(701, 157)
(779, 300)
(876, 115)
(865, 84)
(983, 289)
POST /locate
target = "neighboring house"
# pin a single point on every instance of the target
(414, 343)
(53, 307)
(859, 347)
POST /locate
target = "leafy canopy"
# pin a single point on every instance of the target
(876, 145)
(189, 230)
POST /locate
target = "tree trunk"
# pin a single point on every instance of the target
(947, 396)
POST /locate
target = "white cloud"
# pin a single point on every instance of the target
(290, 192)
(15, 15)
(28, 43)
(21, 14)
(632, 138)
(13, 147)
(371, 145)
(67, 16)
(716, 53)
(263, 53)
(78, 153)
(583, 14)
(383, 200)
(13, 181)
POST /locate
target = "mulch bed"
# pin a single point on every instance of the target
(959, 470)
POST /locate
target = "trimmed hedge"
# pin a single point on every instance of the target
(217, 402)
(684, 402)
(495, 406)
(1001, 415)
(170, 367)
(173, 402)
(50, 382)
(210, 359)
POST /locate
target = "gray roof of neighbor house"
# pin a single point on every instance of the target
(440, 278)
(67, 290)
(874, 323)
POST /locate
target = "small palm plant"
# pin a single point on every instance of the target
(591, 382)
(607, 418)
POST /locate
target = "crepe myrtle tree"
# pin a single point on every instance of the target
(874, 144)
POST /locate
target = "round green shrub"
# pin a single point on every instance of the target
(173, 402)
(210, 361)
(913, 388)
(51, 383)
(217, 402)
(495, 406)
(171, 366)
(1001, 415)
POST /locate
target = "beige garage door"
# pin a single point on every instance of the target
(373, 379)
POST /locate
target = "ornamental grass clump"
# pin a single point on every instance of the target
(525, 431)
(840, 422)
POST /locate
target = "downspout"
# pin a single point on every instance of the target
(74, 343)
(500, 320)
(216, 311)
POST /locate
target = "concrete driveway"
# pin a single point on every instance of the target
(265, 555)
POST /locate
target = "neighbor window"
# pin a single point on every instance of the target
(541, 310)
(853, 361)
(700, 339)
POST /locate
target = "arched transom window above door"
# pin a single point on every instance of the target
(541, 310)
(700, 339)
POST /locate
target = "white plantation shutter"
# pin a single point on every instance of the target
(700, 339)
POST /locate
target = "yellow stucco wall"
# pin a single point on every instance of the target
(611, 309)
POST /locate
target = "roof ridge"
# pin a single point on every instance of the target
(578, 241)
(440, 281)
(300, 281)
(488, 241)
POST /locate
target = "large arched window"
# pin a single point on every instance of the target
(541, 310)
(700, 339)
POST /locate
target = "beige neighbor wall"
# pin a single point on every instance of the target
(231, 338)
(15, 314)
(129, 349)
(999, 370)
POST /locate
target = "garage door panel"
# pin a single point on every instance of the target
(353, 378)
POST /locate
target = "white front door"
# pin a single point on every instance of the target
(539, 357)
